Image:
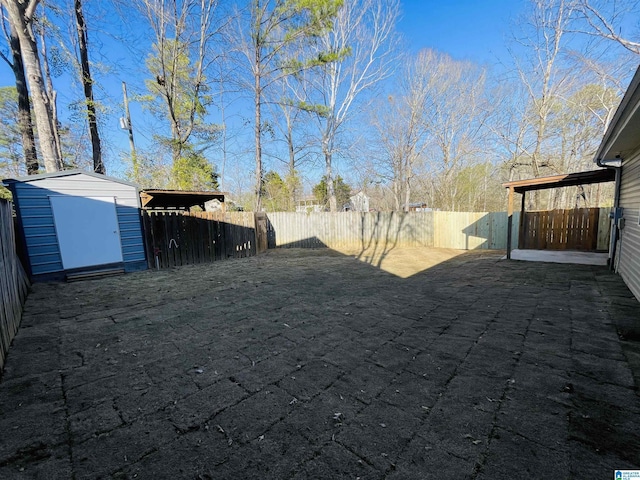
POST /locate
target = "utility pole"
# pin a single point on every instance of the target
(127, 126)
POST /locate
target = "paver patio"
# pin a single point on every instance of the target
(313, 365)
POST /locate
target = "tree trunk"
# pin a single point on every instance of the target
(292, 168)
(396, 193)
(52, 95)
(331, 191)
(24, 106)
(327, 151)
(407, 193)
(87, 82)
(258, 140)
(20, 16)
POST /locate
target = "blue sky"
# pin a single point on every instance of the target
(473, 30)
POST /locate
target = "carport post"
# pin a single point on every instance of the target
(510, 222)
(521, 226)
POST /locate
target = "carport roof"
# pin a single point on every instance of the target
(177, 198)
(565, 180)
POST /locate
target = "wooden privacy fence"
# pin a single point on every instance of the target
(584, 229)
(182, 238)
(13, 282)
(354, 230)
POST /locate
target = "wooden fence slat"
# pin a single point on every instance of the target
(13, 282)
(570, 229)
(463, 230)
(182, 238)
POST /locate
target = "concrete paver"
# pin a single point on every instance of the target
(313, 365)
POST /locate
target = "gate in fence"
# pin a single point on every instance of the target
(184, 238)
(573, 229)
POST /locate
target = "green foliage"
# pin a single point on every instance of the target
(342, 190)
(152, 168)
(319, 109)
(5, 193)
(11, 157)
(193, 172)
(275, 193)
(179, 93)
(310, 18)
(322, 58)
(174, 80)
(279, 193)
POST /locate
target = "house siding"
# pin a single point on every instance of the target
(628, 248)
(36, 218)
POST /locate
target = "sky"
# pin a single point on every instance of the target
(474, 30)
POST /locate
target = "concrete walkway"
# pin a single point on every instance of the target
(313, 365)
(560, 256)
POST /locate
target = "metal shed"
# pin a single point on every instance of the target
(73, 222)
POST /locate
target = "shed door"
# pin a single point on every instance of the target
(87, 229)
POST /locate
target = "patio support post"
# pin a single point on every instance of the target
(509, 222)
(521, 226)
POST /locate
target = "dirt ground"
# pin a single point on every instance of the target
(317, 364)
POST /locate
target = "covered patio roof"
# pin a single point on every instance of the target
(177, 199)
(542, 183)
(565, 180)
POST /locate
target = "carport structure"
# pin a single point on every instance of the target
(544, 183)
(178, 199)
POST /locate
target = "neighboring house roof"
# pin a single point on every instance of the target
(66, 173)
(417, 204)
(622, 135)
(308, 198)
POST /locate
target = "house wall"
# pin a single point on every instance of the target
(36, 218)
(628, 248)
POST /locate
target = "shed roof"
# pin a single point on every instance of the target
(177, 198)
(66, 173)
(565, 180)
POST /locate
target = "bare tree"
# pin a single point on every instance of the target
(265, 38)
(21, 18)
(455, 116)
(569, 90)
(545, 80)
(400, 129)
(365, 29)
(42, 27)
(292, 125)
(605, 18)
(184, 36)
(24, 105)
